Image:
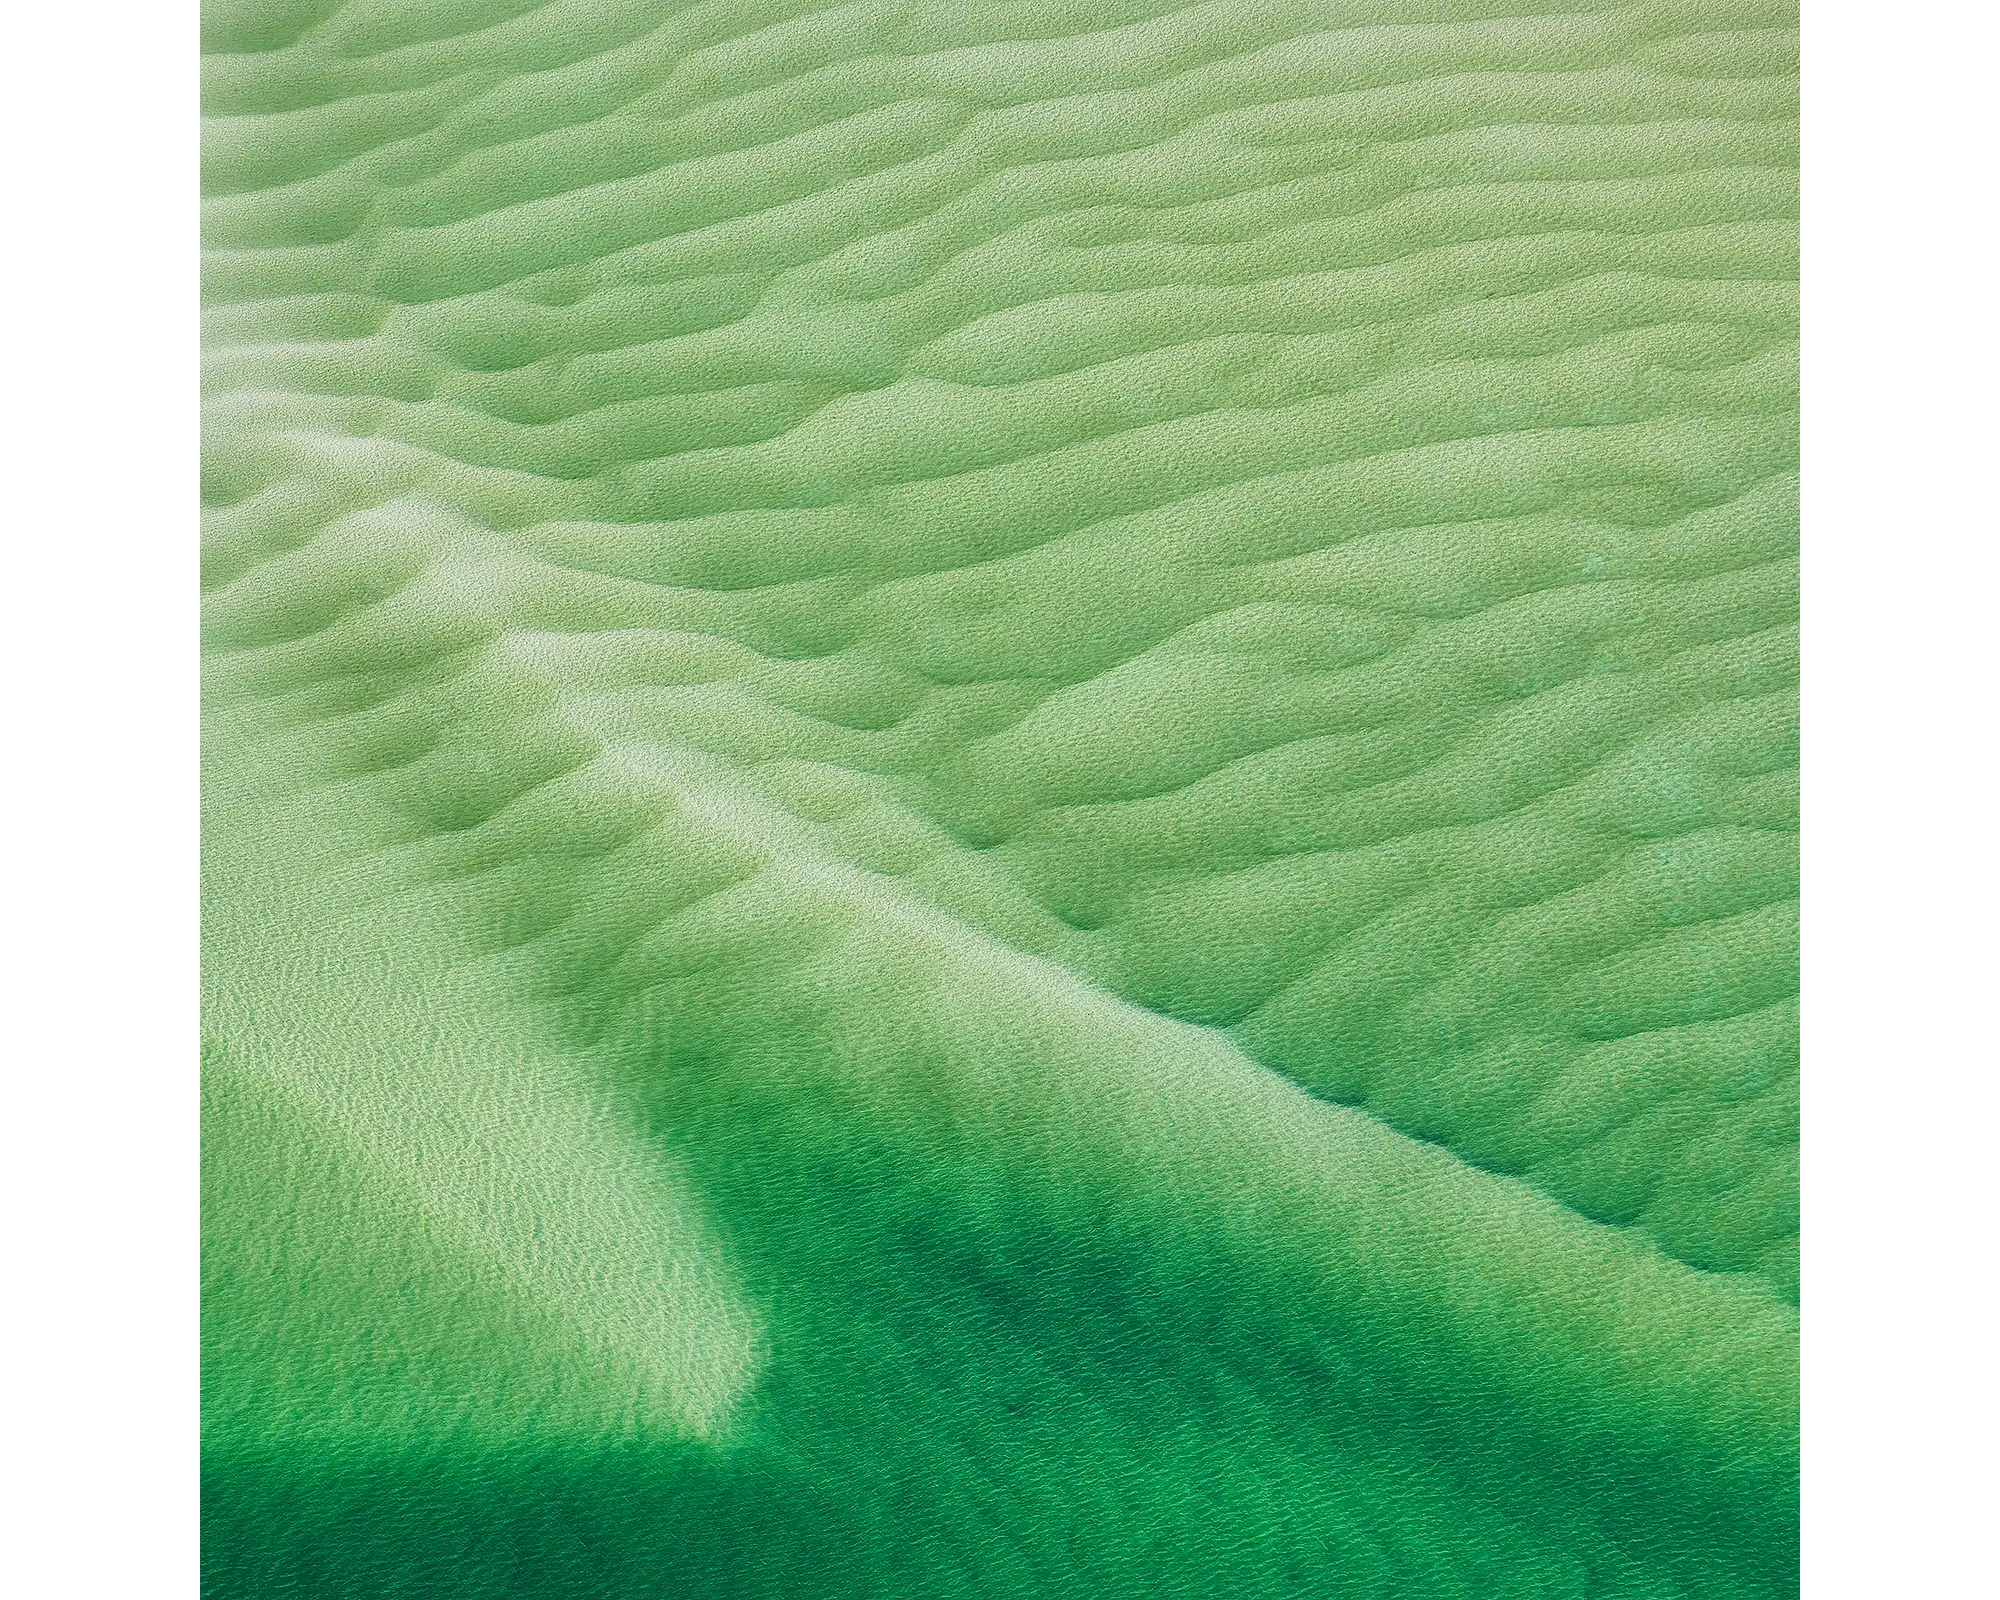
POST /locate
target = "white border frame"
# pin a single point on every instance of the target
(1901, 432)
(98, 650)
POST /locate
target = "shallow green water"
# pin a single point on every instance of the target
(1000, 800)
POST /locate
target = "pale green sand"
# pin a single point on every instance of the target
(1000, 799)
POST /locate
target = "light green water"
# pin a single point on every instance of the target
(1000, 800)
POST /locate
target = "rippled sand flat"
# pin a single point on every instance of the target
(1000, 799)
